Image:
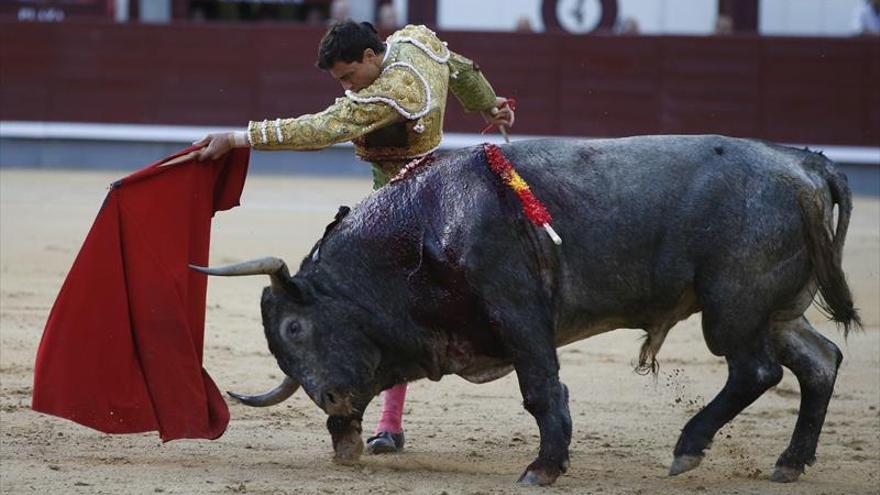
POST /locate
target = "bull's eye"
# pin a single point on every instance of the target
(292, 328)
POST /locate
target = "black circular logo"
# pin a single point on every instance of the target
(578, 16)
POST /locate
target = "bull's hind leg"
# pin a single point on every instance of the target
(752, 370)
(814, 360)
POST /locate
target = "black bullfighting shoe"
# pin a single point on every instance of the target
(385, 443)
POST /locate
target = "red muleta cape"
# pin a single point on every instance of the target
(122, 349)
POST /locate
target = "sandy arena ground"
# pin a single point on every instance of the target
(462, 438)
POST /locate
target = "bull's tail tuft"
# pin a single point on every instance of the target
(826, 249)
(648, 363)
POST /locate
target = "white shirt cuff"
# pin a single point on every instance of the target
(240, 139)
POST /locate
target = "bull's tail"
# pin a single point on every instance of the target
(826, 249)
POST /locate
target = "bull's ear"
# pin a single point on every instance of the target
(300, 290)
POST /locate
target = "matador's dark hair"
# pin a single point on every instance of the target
(346, 41)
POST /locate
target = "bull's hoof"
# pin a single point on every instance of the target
(537, 478)
(537, 475)
(784, 474)
(684, 463)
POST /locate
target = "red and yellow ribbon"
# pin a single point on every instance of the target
(532, 207)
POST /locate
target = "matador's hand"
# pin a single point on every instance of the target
(218, 144)
(500, 114)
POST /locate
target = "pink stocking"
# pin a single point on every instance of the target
(392, 409)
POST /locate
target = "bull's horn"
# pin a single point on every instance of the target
(274, 267)
(278, 394)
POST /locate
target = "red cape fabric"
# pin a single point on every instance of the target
(122, 349)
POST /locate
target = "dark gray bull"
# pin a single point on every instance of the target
(441, 274)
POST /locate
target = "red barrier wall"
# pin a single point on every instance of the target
(815, 90)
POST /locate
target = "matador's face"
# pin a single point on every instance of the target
(356, 76)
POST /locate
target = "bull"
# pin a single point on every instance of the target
(441, 273)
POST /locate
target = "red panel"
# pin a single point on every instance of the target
(211, 76)
(711, 86)
(784, 89)
(608, 86)
(25, 71)
(815, 87)
(287, 82)
(871, 108)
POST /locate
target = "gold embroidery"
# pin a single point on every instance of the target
(412, 89)
(401, 86)
(423, 38)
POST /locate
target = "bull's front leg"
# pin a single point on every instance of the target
(546, 398)
(345, 431)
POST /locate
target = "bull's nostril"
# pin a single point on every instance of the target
(330, 398)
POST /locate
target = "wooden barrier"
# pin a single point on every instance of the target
(817, 90)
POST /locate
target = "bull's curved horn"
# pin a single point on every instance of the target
(274, 267)
(278, 394)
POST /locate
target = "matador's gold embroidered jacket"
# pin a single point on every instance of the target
(399, 116)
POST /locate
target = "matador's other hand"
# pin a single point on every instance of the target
(500, 114)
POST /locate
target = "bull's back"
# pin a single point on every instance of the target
(651, 171)
(637, 189)
(637, 215)
(643, 218)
